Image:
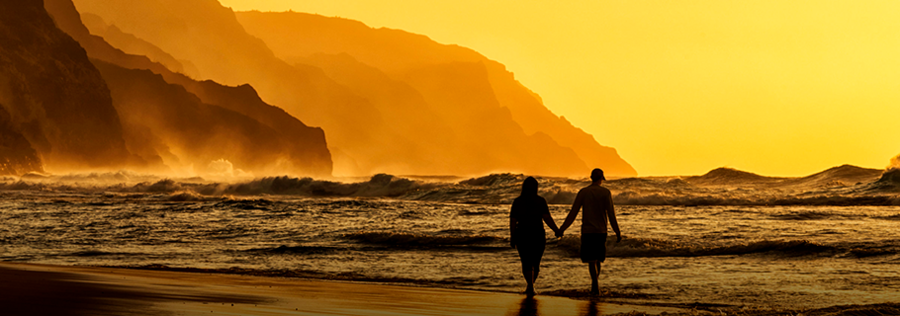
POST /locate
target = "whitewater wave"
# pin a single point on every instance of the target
(721, 187)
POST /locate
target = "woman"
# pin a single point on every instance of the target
(526, 225)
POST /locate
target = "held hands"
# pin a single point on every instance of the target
(559, 233)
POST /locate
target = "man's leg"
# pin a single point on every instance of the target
(594, 266)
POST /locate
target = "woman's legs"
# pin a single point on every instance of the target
(531, 255)
(530, 274)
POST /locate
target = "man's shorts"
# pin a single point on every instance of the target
(593, 247)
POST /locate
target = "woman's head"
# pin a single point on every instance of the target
(530, 186)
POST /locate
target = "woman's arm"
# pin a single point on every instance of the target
(549, 219)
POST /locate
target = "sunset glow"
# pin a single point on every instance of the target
(498, 157)
(772, 87)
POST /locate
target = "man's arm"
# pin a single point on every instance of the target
(611, 213)
(576, 206)
(512, 224)
(512, 232)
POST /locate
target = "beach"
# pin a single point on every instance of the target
(36, 289)
(33, 289)
(728, 257)
(120, 250)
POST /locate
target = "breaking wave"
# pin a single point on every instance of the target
(719, 187)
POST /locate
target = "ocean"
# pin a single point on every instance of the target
(454, 233)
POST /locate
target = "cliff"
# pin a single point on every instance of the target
(54, 100)
(208, 35)
(16, 155)
(189, 134)
(297, 37)
(144, 102)
(369, 131)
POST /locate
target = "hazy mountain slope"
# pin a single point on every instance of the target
(364, 139)
(54, 96)
(208, 35)
(305, 153)
(130, 44)
(295, 36)
(67, 18)
(458, 110)
(195, 133)
(307, 145)
(461, 93)
(393, 98)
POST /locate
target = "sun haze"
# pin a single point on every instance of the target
(773, 87)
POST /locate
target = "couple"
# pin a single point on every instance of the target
(526, 223)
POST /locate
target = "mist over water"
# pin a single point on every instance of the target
(229, 183)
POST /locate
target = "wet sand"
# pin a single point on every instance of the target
(30, 289)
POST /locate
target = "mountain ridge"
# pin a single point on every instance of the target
(54, 97)
(305, 154)
(396, 52)
(362, 137)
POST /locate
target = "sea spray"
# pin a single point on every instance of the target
(844, 185)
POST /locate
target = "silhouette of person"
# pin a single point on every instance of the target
(598, 206)
(527, 215)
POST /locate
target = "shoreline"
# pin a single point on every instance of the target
(40, 289)
(34, 289)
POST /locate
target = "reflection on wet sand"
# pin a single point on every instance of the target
(528, 307)
(590, 308)
(531, 306)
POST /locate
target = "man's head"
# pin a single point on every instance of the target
(530, 186)
(597, 175)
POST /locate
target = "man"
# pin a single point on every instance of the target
(598, 206)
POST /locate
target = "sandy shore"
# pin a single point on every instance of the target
(29, 289)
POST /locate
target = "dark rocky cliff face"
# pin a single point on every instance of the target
(207, 109)
(54, 97)
(16, 155)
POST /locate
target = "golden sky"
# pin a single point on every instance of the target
(681, 87)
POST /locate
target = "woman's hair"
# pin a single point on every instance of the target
(529, 187)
